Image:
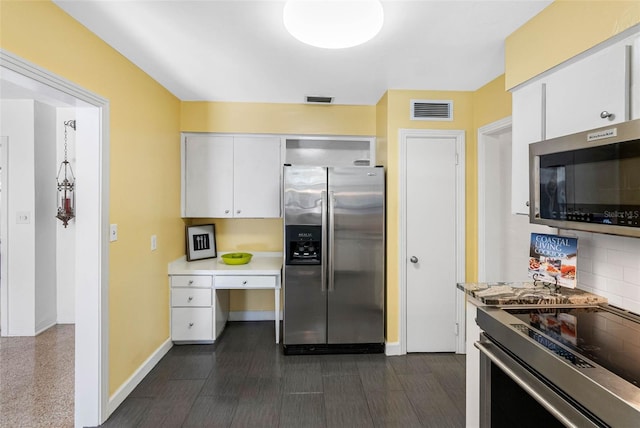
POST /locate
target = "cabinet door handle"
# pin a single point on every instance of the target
(190, 298)
(226, 211)
(190, 324)
(238, 212)
(606, 115)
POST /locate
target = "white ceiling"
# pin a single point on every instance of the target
(217, 50)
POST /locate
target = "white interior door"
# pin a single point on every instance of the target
(431, 233)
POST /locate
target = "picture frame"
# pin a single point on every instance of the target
(201, 242)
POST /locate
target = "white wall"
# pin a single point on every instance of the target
(609, 266)
(45, 196)
(65, 241)
(30, 191)
(17, 123)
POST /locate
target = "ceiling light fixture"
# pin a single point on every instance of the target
(333, 24)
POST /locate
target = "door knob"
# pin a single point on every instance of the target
(413, 259)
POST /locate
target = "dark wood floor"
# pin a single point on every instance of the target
(244, 380)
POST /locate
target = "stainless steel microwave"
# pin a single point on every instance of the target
(588, 181)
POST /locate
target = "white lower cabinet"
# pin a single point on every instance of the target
(473, 368)
(200, 294)
(192, 324)
(246, 281)
(198, 311)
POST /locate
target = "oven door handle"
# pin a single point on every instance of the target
(563, 411)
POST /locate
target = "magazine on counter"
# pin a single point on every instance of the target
(553, 259)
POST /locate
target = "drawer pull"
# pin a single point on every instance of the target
(244, 282)
(190, 298)
(190, 324)
(190, 281)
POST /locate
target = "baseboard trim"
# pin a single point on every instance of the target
(44, 327)
(392, 348)
(252, 316)
(129, 385)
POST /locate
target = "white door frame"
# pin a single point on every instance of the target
(92, 227)
(403, 136)
(484, 133)
(4, 227)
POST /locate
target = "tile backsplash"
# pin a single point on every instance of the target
(609, 265)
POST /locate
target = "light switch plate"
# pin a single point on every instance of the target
(113, 232)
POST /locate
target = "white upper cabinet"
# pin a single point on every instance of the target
(208, 176)
(231, 176)
(527, 113)
(599, 89)
(581, 93)
(256, 177)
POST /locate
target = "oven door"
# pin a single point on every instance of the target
(512, 394)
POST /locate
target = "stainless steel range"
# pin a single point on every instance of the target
(561, 366)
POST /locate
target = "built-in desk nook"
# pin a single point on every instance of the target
(200, 293)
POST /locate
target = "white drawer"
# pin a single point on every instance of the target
(245, 281)
(192, 324)
(191, 297)
(191, 281)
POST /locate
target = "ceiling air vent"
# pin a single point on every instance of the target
(315, 99)
(431, 110)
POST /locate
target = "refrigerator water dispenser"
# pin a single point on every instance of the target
(303, 245)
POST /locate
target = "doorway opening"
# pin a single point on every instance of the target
(91, 261)
(503, 237)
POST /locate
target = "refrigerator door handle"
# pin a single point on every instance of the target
(323, 242)
(331, 239)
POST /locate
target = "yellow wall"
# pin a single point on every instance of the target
(145, 166)
(278, 118)
(561, 31)
(398, 117)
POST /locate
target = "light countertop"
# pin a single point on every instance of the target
(262, 263)
(527, 293)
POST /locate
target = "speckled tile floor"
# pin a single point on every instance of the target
(37, 379)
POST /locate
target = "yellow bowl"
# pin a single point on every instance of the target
(237, 258)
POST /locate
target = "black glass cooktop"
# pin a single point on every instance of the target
(607, 338)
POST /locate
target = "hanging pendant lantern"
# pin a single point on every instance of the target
(66, 183)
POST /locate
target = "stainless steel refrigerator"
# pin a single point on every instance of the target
(334, 276)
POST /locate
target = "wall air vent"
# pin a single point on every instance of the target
(315, 99)
(431, 110)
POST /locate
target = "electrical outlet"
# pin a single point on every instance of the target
(154, 242)
(23, 217)
(113, 232)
